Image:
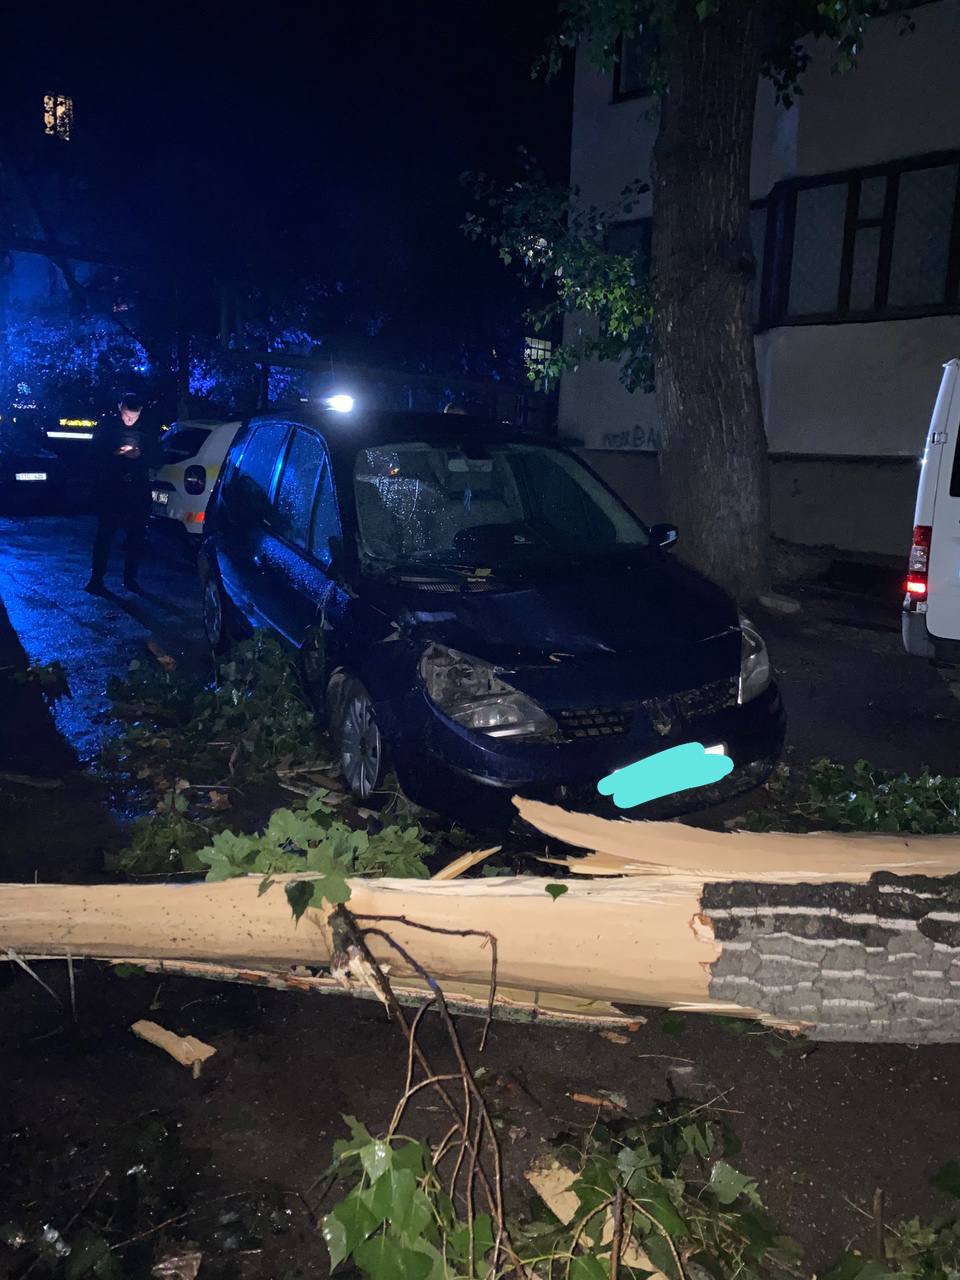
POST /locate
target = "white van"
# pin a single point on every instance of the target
(931, 606)
(193, 455)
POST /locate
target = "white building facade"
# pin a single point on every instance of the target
(856, 231)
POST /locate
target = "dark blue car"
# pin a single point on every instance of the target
(477, 609)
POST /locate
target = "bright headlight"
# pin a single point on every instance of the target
(754, 662)
(471, 693)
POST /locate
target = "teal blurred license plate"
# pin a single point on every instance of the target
(31, 475)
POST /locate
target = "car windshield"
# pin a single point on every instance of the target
(503, 508)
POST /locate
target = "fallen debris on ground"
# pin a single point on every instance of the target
(187, 1050)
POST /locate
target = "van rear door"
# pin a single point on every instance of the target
(941, 474)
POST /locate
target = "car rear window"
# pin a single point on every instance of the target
(955, 473)
(185, 442)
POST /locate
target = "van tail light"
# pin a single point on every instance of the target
(919, 563)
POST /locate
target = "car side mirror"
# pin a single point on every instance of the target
(664, 535)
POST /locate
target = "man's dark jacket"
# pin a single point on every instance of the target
(123, 482)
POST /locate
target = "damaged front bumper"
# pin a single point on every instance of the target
(455, 772)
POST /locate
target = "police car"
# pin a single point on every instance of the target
(193, 455)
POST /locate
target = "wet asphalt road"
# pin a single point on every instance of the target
(849, 689)
(44, 563)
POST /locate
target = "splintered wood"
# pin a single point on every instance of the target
(188, 1050)
(841, 936)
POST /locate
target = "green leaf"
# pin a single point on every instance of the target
(412, 1156)
(947, 1178)
(90, 1255)
(346, 1226)
(696, 1140)
(658, 1251)
(228, 856)
(317, 803)
(395, 1199)
(556, 890)
(458, 1242)
(660, 1207)
(336, 1238)
(376, 1158)
(673, 1024)
(300, 896)
(360, 1137)
(728, 1185)
(129, 971)
(266, 883)
(333, 888)
(873, 1270)
(386, 1258)
(587, 1266)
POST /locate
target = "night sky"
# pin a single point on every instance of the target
(306, 141)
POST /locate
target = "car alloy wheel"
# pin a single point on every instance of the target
(361, 747)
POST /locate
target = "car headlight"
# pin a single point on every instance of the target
(471, 693)
(754, 662)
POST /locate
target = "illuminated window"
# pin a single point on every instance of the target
(57, 115)
(537, 352)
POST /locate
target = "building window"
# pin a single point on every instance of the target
(57, 116)
(632, 236)
(880, 242)
(817, 250)
(536, 352)
(633, 68)
(921, 239)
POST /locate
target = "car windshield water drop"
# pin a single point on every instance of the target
(505, 509)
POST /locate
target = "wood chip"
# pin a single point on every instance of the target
(591, 1100)
(615, 1037)
(182, 1264)
(466, 860)
(553, 1183)
(188, 1050)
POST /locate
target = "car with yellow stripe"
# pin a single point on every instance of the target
(193, 452)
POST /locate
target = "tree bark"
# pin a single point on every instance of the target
(714, 469)
(844, 937)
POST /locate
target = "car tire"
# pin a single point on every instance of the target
(214, 610)
(359, 742)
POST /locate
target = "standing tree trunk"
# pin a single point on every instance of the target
(714, 469)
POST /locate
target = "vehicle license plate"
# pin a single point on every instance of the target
(161, 497)
(31, 475)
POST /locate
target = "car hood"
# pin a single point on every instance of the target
(651, 605)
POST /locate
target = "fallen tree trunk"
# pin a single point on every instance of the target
(844, 937)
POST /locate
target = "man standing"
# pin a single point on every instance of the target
(127, 450)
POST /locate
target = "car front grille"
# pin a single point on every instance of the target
(595, 722)
(708, 699)
(665, 714)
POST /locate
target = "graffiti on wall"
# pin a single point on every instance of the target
(637, 437)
